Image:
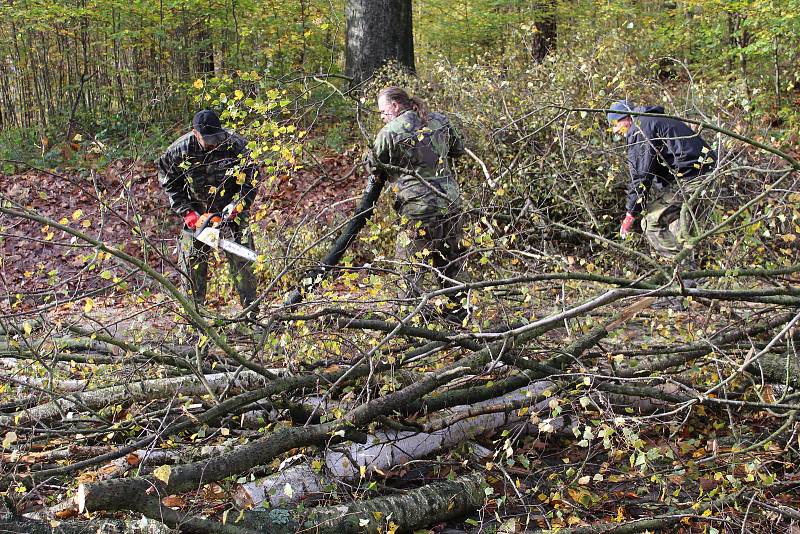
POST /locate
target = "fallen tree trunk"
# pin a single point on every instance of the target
(775, 369)
(143, 493)
(62, 386)
(384, 450)
(11, 523)
(22, 525)
(428, 505)
(696, 350)
(232, 405)
(146, 390)
(72, 452)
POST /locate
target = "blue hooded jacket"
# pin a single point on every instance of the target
(663, 150)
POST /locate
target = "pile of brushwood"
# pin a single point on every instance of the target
(569, 398)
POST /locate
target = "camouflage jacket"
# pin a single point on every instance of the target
(423, 181)
(207, 181)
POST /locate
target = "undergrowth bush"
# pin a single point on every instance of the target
(548, 163)
(554, 169)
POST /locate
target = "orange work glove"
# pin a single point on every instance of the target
(203, 220)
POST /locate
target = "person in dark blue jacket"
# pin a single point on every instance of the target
(668, 162)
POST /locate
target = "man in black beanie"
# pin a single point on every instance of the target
(208, 170)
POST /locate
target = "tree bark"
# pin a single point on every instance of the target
(428, 505)
(777, 369)
(10, 523)
(133, 392)
(544, 40)
(385, 450)
(378, 31)
(21, 525)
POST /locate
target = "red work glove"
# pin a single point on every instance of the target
(626, 225)
(190, 218)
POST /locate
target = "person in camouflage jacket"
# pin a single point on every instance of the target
(208, 170)
(414, 149)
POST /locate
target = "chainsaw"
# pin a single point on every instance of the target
(210, 231)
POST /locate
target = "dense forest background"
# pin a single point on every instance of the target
(120, 69)
(567, 400)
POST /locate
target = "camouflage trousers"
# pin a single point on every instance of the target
(431, 242)
(671, 217)
(193, 257)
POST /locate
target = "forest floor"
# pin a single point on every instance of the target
(124, 199)
(37, 258)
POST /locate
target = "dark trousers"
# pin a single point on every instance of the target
(193, 257)
(433, 241)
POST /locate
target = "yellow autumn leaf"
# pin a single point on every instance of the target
(77, 214)
(162, 473)
(26, 326)
(9, 440)
(88, 305)
(238, 95)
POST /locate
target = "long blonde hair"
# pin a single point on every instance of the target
(399, 95)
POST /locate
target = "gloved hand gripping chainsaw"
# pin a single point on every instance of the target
(211, 229)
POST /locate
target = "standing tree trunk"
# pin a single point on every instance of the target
(544, 40)
(378, 31)
(204, 43)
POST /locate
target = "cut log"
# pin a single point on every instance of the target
(385, 450)
(428, 505)
(777, 369)
(146, 390)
